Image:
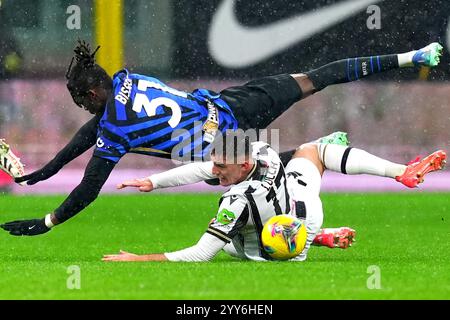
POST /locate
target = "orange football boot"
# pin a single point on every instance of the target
(335, 237)
(417, 169)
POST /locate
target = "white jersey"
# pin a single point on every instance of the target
(247, 206)
(269, 190)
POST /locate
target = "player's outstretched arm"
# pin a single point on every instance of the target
(95, 176)
(206, 248)
(82, 141)
(179, 176)
(128, 257)
(231, 216)
(143, 184)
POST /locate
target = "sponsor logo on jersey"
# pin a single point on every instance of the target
(212, 124)
(100, 143)
(233, 198)
(225, 217)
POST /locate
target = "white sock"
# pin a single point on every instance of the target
(405, 59)
(356, 161)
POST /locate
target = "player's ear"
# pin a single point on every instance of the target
(246, 166)
(92, 94)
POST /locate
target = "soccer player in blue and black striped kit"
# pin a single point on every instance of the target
(140, 114)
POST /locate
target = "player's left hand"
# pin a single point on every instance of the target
(31, 227)
(122, 256)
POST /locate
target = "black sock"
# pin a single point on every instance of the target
(351, 69)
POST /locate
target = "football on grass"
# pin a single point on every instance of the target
(284, 237)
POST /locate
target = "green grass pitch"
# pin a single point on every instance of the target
(405, 236)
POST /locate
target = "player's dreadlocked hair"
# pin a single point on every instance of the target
(85, 74)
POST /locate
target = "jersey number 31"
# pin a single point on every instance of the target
(141, 101)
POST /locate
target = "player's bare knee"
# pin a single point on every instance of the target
(309, 151)
(306, 150)
(305, 84)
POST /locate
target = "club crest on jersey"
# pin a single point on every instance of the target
(225, 217)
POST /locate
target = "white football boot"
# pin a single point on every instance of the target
(9, 162)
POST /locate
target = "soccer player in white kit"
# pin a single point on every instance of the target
(262, 188)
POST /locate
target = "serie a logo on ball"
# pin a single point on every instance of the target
(284, 237)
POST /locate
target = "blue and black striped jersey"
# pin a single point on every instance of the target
(146, 116)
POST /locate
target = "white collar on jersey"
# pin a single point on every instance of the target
(250, 174)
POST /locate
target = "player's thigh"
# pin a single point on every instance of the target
(257, 103)
(303, 178)
(303, 183)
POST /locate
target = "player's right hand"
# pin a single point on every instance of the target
(144, 184)
(121, 256)
(31, 227)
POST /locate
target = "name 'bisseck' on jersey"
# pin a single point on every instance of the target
(146, 116)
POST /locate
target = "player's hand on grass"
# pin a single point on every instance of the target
(122, 256)
(144, 184)
(31, 227)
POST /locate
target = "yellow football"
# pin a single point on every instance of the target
(284, 237)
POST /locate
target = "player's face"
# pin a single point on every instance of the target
(229, 174)
(95, 101)
(89, 105)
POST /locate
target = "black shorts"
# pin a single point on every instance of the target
(257, 103)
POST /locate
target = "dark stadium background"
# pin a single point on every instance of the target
(402, 237)
(397, 115)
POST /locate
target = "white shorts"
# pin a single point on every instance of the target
(303, 183)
